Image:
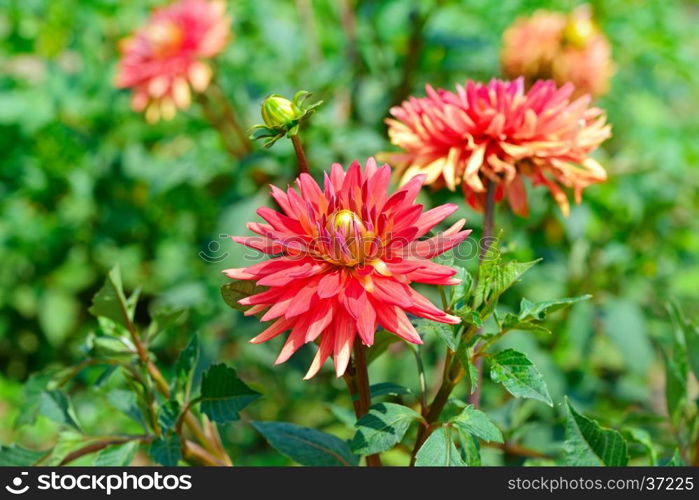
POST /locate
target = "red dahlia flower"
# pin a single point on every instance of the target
(163, 59)
(344, 258)
(499, 133)
(565, 48)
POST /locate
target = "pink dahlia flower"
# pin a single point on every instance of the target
(344, 259)
(163, 61)
(499, 133)
(565, 48)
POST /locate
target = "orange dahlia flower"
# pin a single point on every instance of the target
(565, 48)
(499, 133)
(344, 259)
(162, 61)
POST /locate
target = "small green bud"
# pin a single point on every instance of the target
(282, 117)
(279, 112)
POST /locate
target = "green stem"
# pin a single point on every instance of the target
(488, 216)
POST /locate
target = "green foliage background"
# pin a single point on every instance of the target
(85, 184)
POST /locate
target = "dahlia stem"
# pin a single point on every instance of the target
(300, 155)
(230, 117)
(363, 392)
(488, 216)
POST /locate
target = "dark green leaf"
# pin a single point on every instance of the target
(538, 310)
(166, 451)
(110, 301)
(306, 446)
(477, 423)
(223, 394)
(186, 363)
(236, 290)
(439, 450)
(519, 376)
(16, 456)
(168, 414)
(444, 332)
(382, 428)
(587, 443)
(388, 388)
(119, 455)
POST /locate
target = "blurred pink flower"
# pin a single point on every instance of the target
(565, 48)
(344, 260)
(163, 61)
(497, 132)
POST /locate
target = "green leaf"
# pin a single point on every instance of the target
(110, 301)
(16, 456)
(382, 428)
(388, 389)
(690, 334)
(236, 290)
(167, 451)
(495, 276)
(119, 455)
(460, 293)
(529, 310)
(186, 364)
(513, 322)
(50, 403)
(444, 332)
(676, 372)
(470, 450)
(519, 376)
(223, 394)
(477, 423)
(676, 460)
(439, 450)
(642, 437)
(306, 446)
(168, 414)
(126, 402)
(587, 443)
(469, 316)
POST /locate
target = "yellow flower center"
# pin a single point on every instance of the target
(165, 36)
(351, 243)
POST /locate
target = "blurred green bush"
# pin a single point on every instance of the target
(85, 184)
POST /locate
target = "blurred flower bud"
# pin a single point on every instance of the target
(282, 117)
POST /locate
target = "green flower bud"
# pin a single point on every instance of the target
(279, 112)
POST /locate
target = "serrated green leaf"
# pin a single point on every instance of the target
(16, 456)
(110, 300)
(52, 404)
(236, 290)
(439, 450)
(120, 455)
(388, 389)
(587, 443)
(306, 446)
(477, 423)
(495, 276)
(519, 376)
(529, 310)
(382, 428)
(441, 330)
(167, 451)
(223, 394)
(168, 414)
